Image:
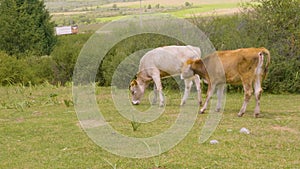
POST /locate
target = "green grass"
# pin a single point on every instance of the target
(39, 130)
(108, 19)
(184, 13)
(102, 14)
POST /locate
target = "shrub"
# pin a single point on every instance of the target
(127, 47)
(65, 55)
(29, 70)
(26, 27)
(268, 23)
(276, 23)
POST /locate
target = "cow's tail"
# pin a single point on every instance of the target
(266, 52)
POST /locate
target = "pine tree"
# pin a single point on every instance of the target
(26, 28)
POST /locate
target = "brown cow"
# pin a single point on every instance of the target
(242, 66)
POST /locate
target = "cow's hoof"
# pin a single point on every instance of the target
(240, 114)
(256, 115)
(201, 111)
(182, 103)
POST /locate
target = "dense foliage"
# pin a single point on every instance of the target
(26, 71)
(273, 24)
(127, 47)
(65, 56)
(25, 28)
(57, 68)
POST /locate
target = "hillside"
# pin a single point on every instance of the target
(86, 5)
(86, 12)
(71, 5)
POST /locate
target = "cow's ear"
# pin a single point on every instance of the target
(189, 62)
(133, 83)
(199, 62)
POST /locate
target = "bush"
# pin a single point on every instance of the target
(65, 55)
(127, 47)
(273, 24)
(26, 27)
(277, 24)
(268, 23)
(29, 70)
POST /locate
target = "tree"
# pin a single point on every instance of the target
(276, 25)
(187, 4)
(26, 28)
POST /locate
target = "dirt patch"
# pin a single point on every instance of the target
(285, 129)
(20, 120)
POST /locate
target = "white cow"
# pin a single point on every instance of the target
(163, 62)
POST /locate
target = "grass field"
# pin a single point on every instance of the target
(174, 3)
(39, 129)
(91, 12)
(197, 10)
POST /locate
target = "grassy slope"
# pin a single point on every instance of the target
(39, 131)
(176, 3)
(98, 13)
(185, 13)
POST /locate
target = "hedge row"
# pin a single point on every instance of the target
(275, 28)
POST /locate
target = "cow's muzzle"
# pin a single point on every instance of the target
(135, 102)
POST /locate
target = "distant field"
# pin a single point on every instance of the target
(108, 19)
(174, 2)
(93, 12)
(211, 8)
(94, 15)
(39, 129)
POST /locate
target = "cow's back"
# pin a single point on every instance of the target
(240, 63)
(168, 59)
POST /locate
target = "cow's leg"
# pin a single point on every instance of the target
(220, 93)
(210, 91)
(247, 96)
(157, 82)
(257, 91)
(257, 84)
(154, 100)
(187, 88)
(198, 87)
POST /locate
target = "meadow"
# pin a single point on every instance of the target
(39, 129)
(91, 12)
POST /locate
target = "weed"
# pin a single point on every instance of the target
(68, 103)
(157, 158)
(52, 99)
(20, 106)
(135, 125)
(114, 166)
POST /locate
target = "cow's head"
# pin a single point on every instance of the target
(136, 91)
(186, 71)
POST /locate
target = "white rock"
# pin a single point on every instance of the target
(214, 142)
(244, 131)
